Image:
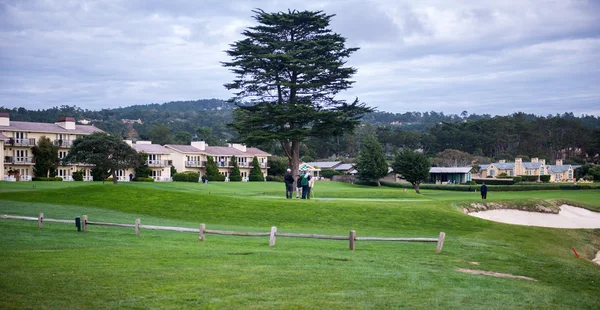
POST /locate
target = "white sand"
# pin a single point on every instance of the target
(568, 217)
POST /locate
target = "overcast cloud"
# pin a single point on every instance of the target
(495, 57)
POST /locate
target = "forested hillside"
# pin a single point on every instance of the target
(528, 135)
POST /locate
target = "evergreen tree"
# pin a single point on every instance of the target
(235, 175)
(143, 171)
(413, 167)
(371, 164)
(290, 67)
(46, 158)
(256, 173)
(212, 171)
(105, 152)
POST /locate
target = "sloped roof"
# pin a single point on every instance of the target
(3, 137)
(484, 167)
(184, 148)
(256, 152)
(530, 165)
(151, 148)
(505, 166)
(325, 164)
(450, 169)
(343, 167)
(223, 151)
(558, 168)
(48, 127)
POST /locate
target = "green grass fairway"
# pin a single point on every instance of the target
(59, 268)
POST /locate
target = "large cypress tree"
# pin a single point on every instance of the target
(290, 67)
(413, 167)
(371, 164)
(46, 158)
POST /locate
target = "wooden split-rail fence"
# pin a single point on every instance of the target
(202, 231)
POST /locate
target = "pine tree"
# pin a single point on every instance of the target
(212, 171)
(413, 167)
(256, 173)
(46, 158)
(290, 67)
(371, 164)
(235, 175)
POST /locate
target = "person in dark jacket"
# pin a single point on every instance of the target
(298, 186)
(289, 184)
(483, 191)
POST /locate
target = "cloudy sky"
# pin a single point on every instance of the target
(495, 56)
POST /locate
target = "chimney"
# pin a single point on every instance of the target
(502, 161)
(129, 142)
(201, 145)
(518, 160)
(534, 160)
(543, 161)
(559, 162)
(4, 119)
(66, 123)
(237, 146)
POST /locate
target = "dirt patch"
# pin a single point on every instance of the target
(547, 207)
(494, 274)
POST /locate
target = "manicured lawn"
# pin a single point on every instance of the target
(57, 267)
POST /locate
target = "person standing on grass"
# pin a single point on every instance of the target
(483, 190)
(298, 186)
(289, 184)
(311, 184)
(304, 182)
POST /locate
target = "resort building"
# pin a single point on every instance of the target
(193, 157)
(18, 138)
(159, 161)
(537, 167)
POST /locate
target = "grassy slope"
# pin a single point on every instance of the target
(112, 268)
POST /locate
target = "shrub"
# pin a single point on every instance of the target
(503, 175)
(256, 178)
(545, 178)
(529, 178)
(216, 178)
(496, 181)
(235, 178)
(188, 176)
(142, 179)
(43, 179)
(78, 175)
(272, 178)
(588, 177)
(517, 179)
(471, 183)
(329, 173)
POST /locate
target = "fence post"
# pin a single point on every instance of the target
(84, 220)
(137, 227)
(352, 239)
(440, 242)
(41, 221)
(272, 238)
(202, 228)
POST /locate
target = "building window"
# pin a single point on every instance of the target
(492, 172)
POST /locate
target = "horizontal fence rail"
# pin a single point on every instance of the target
(82, 225)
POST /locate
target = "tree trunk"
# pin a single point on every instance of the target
(114, 176)
(378, 183)
(292, 151)
(417, 187)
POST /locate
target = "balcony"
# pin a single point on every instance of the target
(195, 164)
(90, 178)
(19, 160)
(63, 143)
(21, 142)
(224, 164)
(243, 165)
(157, 163)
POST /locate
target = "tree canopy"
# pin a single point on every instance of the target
(46, 158)
(290, 67)
(371, 164)
(413, 167)
(105, 152)
(453, 158)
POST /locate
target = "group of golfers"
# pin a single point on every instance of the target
(303, 185)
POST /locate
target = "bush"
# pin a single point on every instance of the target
(529, 178)
(502, 175)
(235, 178)
(188, 176)
(46, 179)
(272, 178)
(545, 178)
(256, 178)
(496, 181)
(588, 177)
(78, 175)
(329, 173)
(471, 183)
(142, 179)
(517, 179)
(216, 178)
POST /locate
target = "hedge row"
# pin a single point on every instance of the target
(274, 178)
(140, 179)
(217, 177)
(187, 176)
(491, 188)
(529, 178)
(46, 179)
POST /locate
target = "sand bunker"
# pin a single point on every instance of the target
(494, 274)
(568, 217)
